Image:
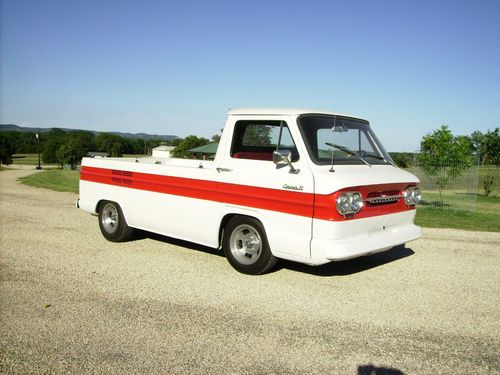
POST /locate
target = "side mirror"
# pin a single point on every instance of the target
(284, 157)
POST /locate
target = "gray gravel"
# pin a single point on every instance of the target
(71, 302)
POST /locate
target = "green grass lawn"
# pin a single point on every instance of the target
(459, 210)
(57, 179)
(467, 220)
(25, 159)
(460, 201)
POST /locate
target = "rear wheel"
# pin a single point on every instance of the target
(246, 247)
(112, 222)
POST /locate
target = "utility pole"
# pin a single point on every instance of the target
(37, 135)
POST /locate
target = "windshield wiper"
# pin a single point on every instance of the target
(381, 158)
(346, 150)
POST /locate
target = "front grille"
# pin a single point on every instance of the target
(382, 198)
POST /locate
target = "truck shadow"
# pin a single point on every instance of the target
(140, 235)
(342, 268)
(351, 266)
(374, 370)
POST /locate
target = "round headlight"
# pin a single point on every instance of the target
(343, 204)
(349, 203)
(356, 202)
(412, 196)
(407, 197)
(416, 195)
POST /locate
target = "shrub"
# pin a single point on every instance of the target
(488, 184)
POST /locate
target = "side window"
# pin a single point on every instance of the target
(260, 135)
(257, 140)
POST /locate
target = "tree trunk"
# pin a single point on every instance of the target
(484, 159)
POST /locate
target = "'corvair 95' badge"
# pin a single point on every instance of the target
(293, 187)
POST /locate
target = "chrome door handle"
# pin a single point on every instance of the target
(223, 170)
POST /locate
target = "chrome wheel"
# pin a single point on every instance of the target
(110, 218)
(246, 247)
(112, 222)
(245, 244)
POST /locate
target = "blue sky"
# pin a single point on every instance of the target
(175, 67)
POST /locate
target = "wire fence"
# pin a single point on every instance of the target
(442, 190)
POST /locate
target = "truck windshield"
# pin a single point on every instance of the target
(350, 140)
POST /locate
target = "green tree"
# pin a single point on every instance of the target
(21, 142)
(6, 151)
(26, 143)
(175, 142)
(402, 159)
(116, 149)
(51, 142)
(478, 145)
(444, 156)
(257, 135)
(488, 184)
(191, 141)
(487, 145)
(492, 146)
(70, 153)
(112, 144)
(84, 139)
(134, 146)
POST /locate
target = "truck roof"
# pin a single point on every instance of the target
(283, 111)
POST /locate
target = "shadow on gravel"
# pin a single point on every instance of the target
(351, 266)
(343, 268)
(140, 235)
(373, 370)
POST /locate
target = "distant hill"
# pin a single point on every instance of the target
(16, 128)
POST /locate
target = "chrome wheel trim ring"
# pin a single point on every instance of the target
(245, 244)
(110, 218)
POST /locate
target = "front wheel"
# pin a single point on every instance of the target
(112, 222)
(246, 247)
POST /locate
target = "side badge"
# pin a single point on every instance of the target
(293, 187)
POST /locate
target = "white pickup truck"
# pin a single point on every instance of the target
(303, 185)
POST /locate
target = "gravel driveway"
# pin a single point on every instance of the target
(71, 302)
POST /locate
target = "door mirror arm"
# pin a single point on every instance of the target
(281, 157)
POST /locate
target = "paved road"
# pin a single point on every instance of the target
(72, 302)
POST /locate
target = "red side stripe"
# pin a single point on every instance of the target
(186, 187)
(290, 202)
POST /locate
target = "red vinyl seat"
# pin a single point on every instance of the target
(254, 155)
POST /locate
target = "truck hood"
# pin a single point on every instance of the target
(346, 176)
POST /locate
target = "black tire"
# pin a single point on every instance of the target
(112, 222)
(246, 247)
